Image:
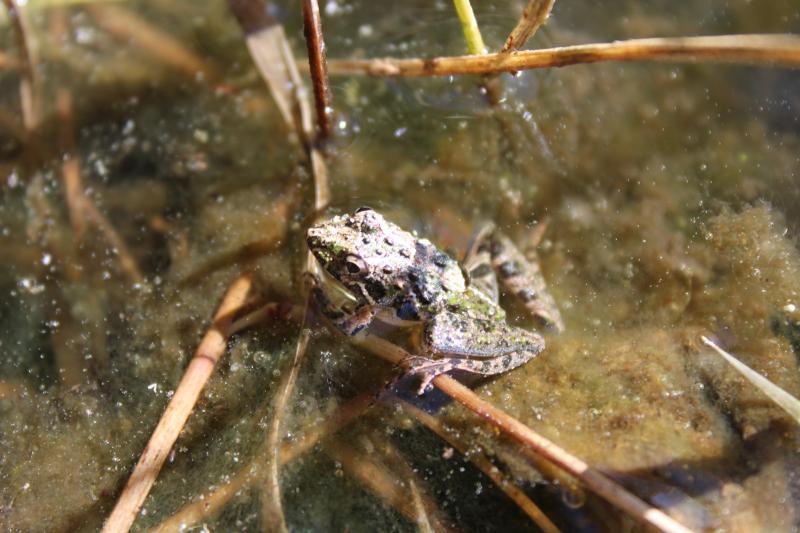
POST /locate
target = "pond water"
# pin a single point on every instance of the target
(668, 194)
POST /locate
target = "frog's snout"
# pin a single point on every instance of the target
(317, 246)
(313, 241)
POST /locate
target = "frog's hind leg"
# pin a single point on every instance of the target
(478, 263)
(524, 279)
(480, 346)
(428, 369)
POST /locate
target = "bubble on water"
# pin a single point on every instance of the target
(128, 128)
(12, 180)
(573, 498)
(201, 136)
(85, 35)
(30, 285)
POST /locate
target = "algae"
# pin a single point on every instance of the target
(670, 197)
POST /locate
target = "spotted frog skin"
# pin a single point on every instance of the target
(402, 280)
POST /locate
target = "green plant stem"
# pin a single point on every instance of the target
(469, 25)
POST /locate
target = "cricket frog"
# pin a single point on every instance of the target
(453, 310)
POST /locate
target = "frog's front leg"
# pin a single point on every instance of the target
(349, 324)
(480, 346)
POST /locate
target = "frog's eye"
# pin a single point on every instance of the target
(354, 264)
(363, 208)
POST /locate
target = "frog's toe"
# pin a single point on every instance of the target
(425, 383)
(426, 369)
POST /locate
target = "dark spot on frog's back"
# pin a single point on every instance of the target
(419, 287)
(526, 295)
(424, 252)
(407, 311)
(509, 269)
(376, 290)
(440, 259)
(496, 248)
(363, 208)
(480, 271)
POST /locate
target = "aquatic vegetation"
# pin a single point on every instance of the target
(146, 165)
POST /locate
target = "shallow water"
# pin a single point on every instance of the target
(670, 197)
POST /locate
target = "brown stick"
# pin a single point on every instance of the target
(8, 62)
(592, 478)
(266, 312)
(177, 412)
(533, 16)
(427, 515)
(272, 507)
(70, 167)
(312, 28)
(126, 260)
(79, 206)
(372, 476)
(195, 512)
(10, 390)
(28, 86)
(161, 46)
(503, 482)
(8, 120)
(757, 49)
(273, 56)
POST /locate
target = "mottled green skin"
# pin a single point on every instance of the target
(403, 280)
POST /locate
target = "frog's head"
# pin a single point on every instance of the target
(364, 252)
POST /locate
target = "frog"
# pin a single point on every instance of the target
(451, 309)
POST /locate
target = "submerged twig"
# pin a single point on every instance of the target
(273, 56)
(591, 477)
(126, 260)
(70, 166)
(8, 62)
(177, 412)
(427, 515)
(264, 313)
(29, 85)
(9, 122)
(81, 208)
(533, 16)
(125, 24)
(786, 401)
(751, 49)
(423, 520)
(272, 508)
(312, 27)
(485, 465)
(372, 476)
(252, 472)
(11, 389)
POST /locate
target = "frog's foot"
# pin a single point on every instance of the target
(478, 263)
(356, 322)
(524, 279)
(426, 369)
